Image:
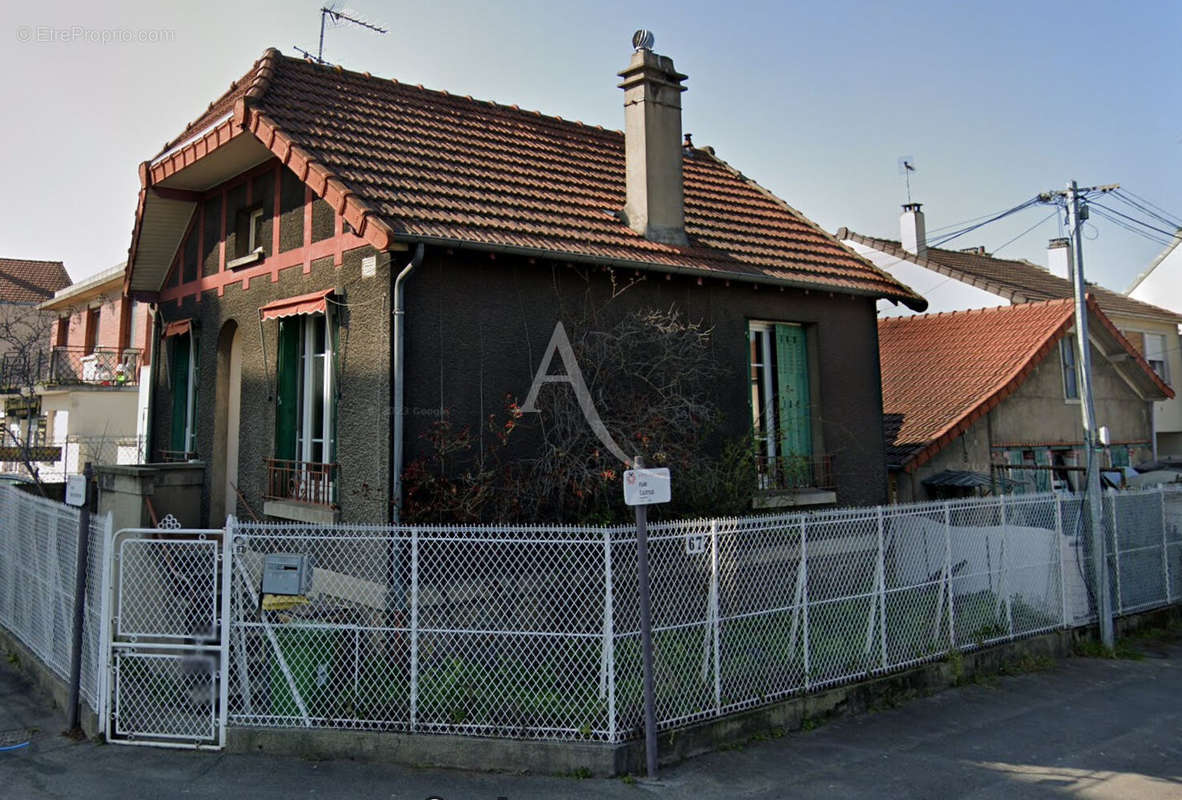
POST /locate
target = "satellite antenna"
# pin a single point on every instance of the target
(906, 167)
(338, 17)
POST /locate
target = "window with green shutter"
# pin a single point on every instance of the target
(781, 404)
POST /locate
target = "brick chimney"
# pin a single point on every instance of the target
(912, 233)
(1059, 260)
(655, 204)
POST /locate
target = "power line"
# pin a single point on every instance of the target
(1171, 219)
(1054, 213)
(941, 241)
(1163, 231)
(1131, 229)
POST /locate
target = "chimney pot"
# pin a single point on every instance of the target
(912, 232)
(1060, 260)
(655, 206)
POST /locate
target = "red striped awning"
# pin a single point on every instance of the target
(178, 327)
(315, 303)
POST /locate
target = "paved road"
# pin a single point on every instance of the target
(1086, 728)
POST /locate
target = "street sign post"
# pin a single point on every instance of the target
(642, 488)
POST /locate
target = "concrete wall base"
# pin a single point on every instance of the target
(603, 759)
(44, 679)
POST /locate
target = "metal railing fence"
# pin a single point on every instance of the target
(38, 559)
(533, 631)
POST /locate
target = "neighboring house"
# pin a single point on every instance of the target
(280, 231)
(89, 390)
(987, 400)
(954, 280)
(1161, 285)
(24, 284)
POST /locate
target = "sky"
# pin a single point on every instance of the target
(995, 102)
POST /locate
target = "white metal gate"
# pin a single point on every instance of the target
(166, 638)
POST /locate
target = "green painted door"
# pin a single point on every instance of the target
(288, 395)
(795, 432)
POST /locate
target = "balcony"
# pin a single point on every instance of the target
(102, 366)
(20, 372)
(301, 490)
(794, 481)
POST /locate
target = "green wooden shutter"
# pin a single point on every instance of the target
(288, 379)
(792, 388)
(1120, 455)
(1042, 477)
(180, 392)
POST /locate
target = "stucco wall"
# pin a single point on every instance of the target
(1037, 412)
(1168, 413)
(478, 327)
(363, 420)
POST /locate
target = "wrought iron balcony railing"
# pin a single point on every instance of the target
(794, 473)
(302, 482)
(102, 366)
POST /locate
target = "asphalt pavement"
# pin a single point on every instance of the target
(1086, 727)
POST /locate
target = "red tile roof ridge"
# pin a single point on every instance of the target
(919, 303)
(1119, 303)
(444, 93)
(982, 310)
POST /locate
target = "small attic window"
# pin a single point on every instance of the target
(248, 237)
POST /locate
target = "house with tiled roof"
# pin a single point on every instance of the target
(338, 260)
(954, 280)
(988, 400)
(24, 283)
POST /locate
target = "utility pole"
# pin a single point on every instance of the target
(1075, 217)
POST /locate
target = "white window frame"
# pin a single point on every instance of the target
(767, 382)
(1164, 360)
(1068, 343)
(252, 229)
(306, 434)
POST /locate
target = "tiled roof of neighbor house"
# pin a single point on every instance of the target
(441, 168)
(941, 372)
(26, 281)
(1016, 280)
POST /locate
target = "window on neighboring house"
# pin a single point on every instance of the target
(93, 317)
(782, 407)
(1155, 354)
(305, 417)
(182, 377)
(1070, 371)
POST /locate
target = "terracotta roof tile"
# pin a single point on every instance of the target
(1016, 280)
(440, 167)
(27, 281)
(938, 370)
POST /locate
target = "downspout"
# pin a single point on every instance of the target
(399, 367)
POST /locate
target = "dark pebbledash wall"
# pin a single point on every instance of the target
(476, 330)
(363, 420)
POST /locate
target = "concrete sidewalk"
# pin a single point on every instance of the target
(1086, 728)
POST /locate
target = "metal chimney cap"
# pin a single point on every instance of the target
(643, 40)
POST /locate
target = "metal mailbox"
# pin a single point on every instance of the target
(287, 574)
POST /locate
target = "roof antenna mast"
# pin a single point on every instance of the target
(338, 17)
(906, 167)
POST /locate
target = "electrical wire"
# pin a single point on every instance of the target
(1163, 231)
(1131, 229)
(1149, 208)
(942, 240)
(1028, 230)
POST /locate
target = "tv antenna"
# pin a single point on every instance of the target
(337, 17)
(906, 167)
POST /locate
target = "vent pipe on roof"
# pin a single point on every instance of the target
(655, 206)
(1059, 260)
(912, 233)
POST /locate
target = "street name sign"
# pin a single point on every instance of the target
(646, 487)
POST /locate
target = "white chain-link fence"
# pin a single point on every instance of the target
(531, 631)
(38, 563)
